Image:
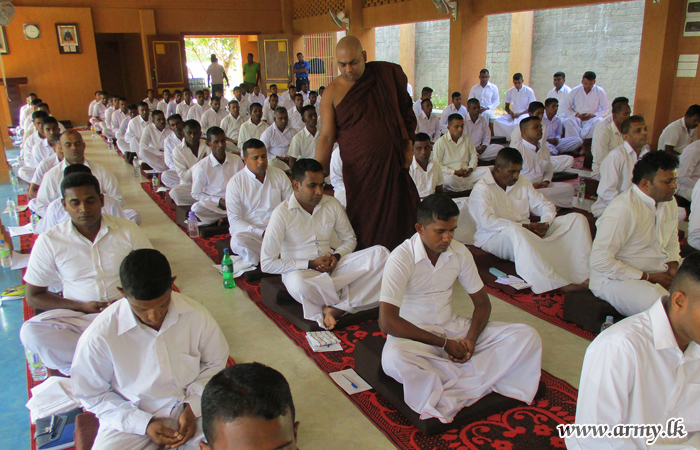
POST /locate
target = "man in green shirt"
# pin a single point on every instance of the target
(251, 73)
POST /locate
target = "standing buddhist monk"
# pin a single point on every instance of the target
(369, 113)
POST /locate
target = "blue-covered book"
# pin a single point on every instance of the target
(57, 431)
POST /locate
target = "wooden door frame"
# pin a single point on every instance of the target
(153, 81)
(261, 59)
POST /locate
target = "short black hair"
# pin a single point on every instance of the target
(244, 390)
(48, 119)
(421, 137)
(549, 101)
(484, 71)
(251, 143)
(186, 90)
(149, 90)
(456, 94)
(215, 99)
(473, 100)
(534, 106)
(436, 207)
(175, 116)
(198, 91)
(299, 54)
(301, 96)
(426, 90)
(620, 100)
(589, 75)
(36, 101)
(193, 124)
(688, 271)
(214, 131)
(618, 104)
(131, 106)
(422, 102)
(307, 108)
(281, 109)
(43, 105)
(312, 93)
(166, 90)
(507, 156)
(453, 117)
(276, 96)
(651, 163)
(560, 74)
(79, 179)
(693, 110)
(76, 168)
(254, 105)
(156, 112)
(145, 274)
(176, 91)
(142, 104)
(525, 121)
(39, 115)
(272, 85)
(291, 86)
(303, 165)
(627, 123)
(518, 76)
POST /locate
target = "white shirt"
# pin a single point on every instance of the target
(172, 108)
(479, 131)
(447, 112)
(294, 237)
(560, 95)
(615, 175)
(689, 166)
(277, 142)
(164, 107)
(108, 116)
(28, 145)
(40, 152)
(578, 102)
(24, 112)
(123, 127)
(634, 236)
(43, 167)
(212, 118)
(92, 105)
(552, 129)
(428, 125)
(210, 177)
(537, 163)
(260, 98)
(135, 129)
(196, 110)
(169, 144)
(115, 124)
(451, 156)
(251, 131)
(495, 209)
(249, 203)
(694, 218)
(50, 188)
(488, 96)
(304, 144)
(98, 111)
(285, 100)
(426, 180)
(89, 271)
(243, 106)
(216, 72)
(520, 100)
(184, 109)
(184, 160)
(635, 373)
(268, 114)
(416, 107)
(152, 105)
(677, 135)
(232, 126)
(153, 140)
(295, 119)
(127, 373)
(423, 292)
(336, 171)
(605, 139)
(56, 213)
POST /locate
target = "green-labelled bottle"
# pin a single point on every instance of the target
(227, 270)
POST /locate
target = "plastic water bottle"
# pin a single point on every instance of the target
(11, 208)
(192, 226)
(15, 182)
(137, 167)
(581, 192)
(155, 182)
(5, 255)
(227, 270)
(36, 366)
(608, 323)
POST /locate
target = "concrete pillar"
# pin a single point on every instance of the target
(148, 28)
(407, 54)
(521, 44)
(467, 49)
(353, 10)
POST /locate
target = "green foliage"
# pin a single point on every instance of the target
(227, 49)
(439, 101)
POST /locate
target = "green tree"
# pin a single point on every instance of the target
(228, 50)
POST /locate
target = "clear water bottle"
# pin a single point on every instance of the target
(155, 182)
(137, 166)
(192, 226)
(227, 270)
(36, 366)
(5, 255)
(11, 208)
(608, 323)
(14, 181)
(581, 192)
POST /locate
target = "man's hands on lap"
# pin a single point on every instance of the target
(162, 435)
(324, 263)
(459, 351)
(540, 229)
(94, 307)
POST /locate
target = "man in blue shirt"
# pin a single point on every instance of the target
(301, 70)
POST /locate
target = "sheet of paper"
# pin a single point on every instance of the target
(19, 261)
(344, 378)
(21, 231)
(162, 189)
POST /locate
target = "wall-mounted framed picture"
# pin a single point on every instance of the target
(4, 49)
(68, 38)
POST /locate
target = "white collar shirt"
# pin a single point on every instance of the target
(479, 132)
(152, 105)
(89, 271)
(689, 166)
(210, 177)
(426, 180)
(451, 156)
(184, 109)
(553, 127)
(428, 125)
(117, 117)
(304, 144)
(423, 292)
(56, 213)
(163, 106)
(277, 142)
(232, 126)
(123, 127)
(635, 373)
(243, 106)
(260, 98)
(40, 152)
(537, 164)
(578, 102)
(520, 99)
(417, 107)
(268, 114)
(212, 118)
(249, 203)
(633, 236)
(336, 170)
(294, 237)
(43, 167)
(169, 144)
(92, 105)
(251, 131)
(135, 129)
(98, 111)
(127, 373)
(152, 139)
(615, 175)
(295, 119)
(447, 112)
(516, 136)
(108, 116)
(184, 160)
(28, 145)
(605, 139)
(23, 113)
(560, 95)
(172, 108)
(677, 135)
(196, 110)
(488, 96)
(495, 209)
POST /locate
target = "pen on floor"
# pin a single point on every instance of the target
(354, 386)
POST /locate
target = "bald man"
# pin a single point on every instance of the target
(369, 113)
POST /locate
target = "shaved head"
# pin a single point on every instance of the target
(351, 58)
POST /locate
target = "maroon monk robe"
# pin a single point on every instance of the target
(374, 120)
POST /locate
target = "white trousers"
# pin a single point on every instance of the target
(456, 184)
(584, 130)
(274, 162)
(54, 335)
(208, 212)
(170, 178)
(133, 215)
(248, 246)
(507, 359)
(488, 114)
(466, 226)
(629, 297)
(123, 146)
(106, 132)
(566, 145)
(560, 194)
(559, 259)
(182, 195)
(504, 125)
(26, 173)
(353, 286)
(491, 152)
(561, 163)
(156, 161)
(340, 195)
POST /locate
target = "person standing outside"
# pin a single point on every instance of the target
(302, 69)
(251, 73)
(216, 74)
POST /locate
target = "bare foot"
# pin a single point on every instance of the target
(331, 316)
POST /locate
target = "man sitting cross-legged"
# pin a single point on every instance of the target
(42, 149)
(608, 135)
(210, 177)
(447, 362)
(476, 126)
(428, 122)
(177, 127)
(501, 204)
(517, 99)
(248, 406)
(636, 251)
(297, 245)
(151, 145)
(45, 165)
(278, 138)
(143, 363)
(552, 123)
(134, 131)
(426, 175)
(304, 142)
(251, 196)
(254, 127)
(679, 133)
(231, 124)
(185, 156)
(214, 115)
(456, 156)
(83, 254)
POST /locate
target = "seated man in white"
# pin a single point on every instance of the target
(476, 126)
(608, 136)
(552, 123)
(107, 126)
(151, 100)
(25, 172)
(425, 94)
(456, 156)
(134, 131)
(428, 122)
(142, 365)
(122, 144)
(586, 105)
(26, 109)
(539, 166)
(186, 155)
(426, 175)
(74, 153)
(83, 254)
(174, 103)
(169, 178)
(210, 177)
(689, 170)
(455, 107)
(242, 101)
(679, 133)
(231, 124)
(254, 127)
(643, 370)
(256, 96)
(120, 112)
(197, 109)
(517, 99)
(560, 89)
(294, 113)
(297, 246)
(152, 143)
(214, 115)
(251, 196)
(273, 90)
(336, 177)
(165, 102)
(268, 111)
(447, 362)
(304, 142)
(501, 204)
(183, 108)
(636, 251)
(42, 149)
(487, 94)
(535, 109)
(277, 139)
(43, 167)
(98, 113)
(286, 100)
(617, 168)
